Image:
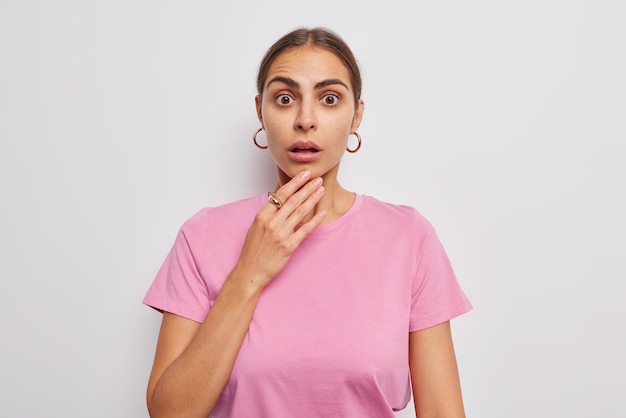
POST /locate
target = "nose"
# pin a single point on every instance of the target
(305, 120)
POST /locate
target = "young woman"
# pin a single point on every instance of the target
(310, 300)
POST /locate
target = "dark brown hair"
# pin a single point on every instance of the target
(320, 37)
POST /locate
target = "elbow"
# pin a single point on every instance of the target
(150, 405)
(154, 410)
(159, 409)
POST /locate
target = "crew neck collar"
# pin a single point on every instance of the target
(325, 229)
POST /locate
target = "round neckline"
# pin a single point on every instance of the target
(325, 229)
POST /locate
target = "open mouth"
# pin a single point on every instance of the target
(304, 149)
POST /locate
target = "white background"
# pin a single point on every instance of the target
(503, 122)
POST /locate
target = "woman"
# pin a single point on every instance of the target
(309, 301)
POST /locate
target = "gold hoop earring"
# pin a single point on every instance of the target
(256, 143)
(358, 146)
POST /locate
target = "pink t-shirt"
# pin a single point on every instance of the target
(329, 337)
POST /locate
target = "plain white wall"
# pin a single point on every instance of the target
(503, 122)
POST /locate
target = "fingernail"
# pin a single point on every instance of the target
(321, 214)
(305, 174)
(320, 190)
(317, 181)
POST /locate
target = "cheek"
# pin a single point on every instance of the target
(273, 132)
(342, 132)
(341, 135)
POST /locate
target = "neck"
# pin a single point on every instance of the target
(336, 200)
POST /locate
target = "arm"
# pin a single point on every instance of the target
(193, 361)
(434, 373)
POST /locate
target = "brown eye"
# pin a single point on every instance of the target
(330, 99)
(284, 99)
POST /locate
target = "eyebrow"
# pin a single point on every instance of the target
(293, 83)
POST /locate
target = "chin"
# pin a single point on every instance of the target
(289, 171)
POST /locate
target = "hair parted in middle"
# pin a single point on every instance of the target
(320, 37)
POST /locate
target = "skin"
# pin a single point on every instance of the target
(307, 97)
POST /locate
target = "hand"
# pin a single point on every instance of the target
(274, 235)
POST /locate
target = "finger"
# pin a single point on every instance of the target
(277, 200)
(308, 227)
(293, 185)
(296, 199)
(303, 208)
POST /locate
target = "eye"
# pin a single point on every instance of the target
(284, 99)
(330, 99)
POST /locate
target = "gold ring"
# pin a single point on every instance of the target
(274, 200)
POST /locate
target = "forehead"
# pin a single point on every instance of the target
(309, 62)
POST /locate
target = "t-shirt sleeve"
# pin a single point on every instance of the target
(178, 287)
(436, 294)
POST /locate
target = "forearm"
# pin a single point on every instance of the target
(434, 373)
(192, 384)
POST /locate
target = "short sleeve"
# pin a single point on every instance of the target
(178, 286)
(436, 294)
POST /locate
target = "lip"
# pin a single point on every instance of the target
(304, 151)
(304, 145)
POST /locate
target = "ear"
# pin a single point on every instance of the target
(358, 116)
(257, 104)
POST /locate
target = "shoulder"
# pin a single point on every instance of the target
(226, 215)
(404, 216)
